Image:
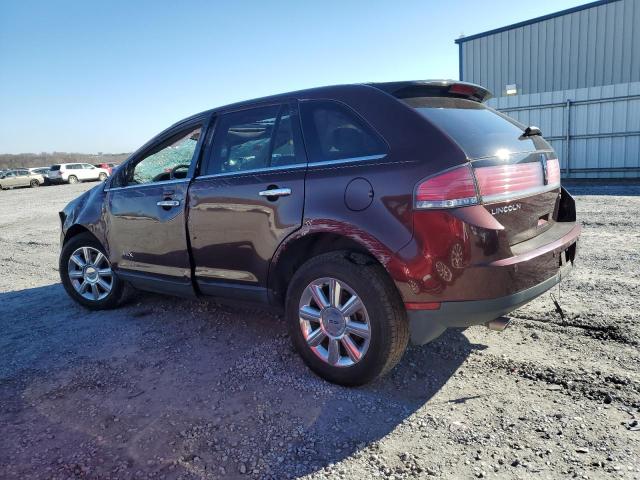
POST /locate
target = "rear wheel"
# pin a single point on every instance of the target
(87, 275)
(102, 177)
(34, 183)
(72, 179)
(345, 318)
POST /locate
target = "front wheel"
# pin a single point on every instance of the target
(72, 179)
(34, 183)
(102, 177)
(87, 275)
(346, 318)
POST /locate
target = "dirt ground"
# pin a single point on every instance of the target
(168, 388)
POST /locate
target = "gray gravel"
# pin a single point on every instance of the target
(167, 388)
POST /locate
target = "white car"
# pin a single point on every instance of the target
(76, 172)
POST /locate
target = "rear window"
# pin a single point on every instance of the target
(55, 167)
(478, 130)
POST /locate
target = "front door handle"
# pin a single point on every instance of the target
(275, 192)
(168, 203)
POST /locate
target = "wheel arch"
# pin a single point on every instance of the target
(297, 249)
(75, 230)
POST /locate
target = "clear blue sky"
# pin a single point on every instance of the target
(85, 76)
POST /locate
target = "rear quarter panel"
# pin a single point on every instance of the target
(416, 149)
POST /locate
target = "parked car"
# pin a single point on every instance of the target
(109, 167)
(76, 172)
(409, 208)
(44, 171)
(20, 178)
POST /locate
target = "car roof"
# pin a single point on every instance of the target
(397, 89)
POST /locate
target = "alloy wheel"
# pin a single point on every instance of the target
(334, 322)
(90, 273)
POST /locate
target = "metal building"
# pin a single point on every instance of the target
(576, 75)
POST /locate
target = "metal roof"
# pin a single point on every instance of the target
(535, 20)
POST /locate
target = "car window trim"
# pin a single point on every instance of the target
(254, 171)
(361, 159)
(149, 184)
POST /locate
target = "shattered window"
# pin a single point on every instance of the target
(169, 163)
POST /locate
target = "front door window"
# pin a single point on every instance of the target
(169, 161)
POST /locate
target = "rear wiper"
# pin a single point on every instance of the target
(530, 132)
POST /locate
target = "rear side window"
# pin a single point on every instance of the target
(478, 130)
(332, 131)
(55, 168)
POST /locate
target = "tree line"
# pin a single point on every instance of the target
(46, 159)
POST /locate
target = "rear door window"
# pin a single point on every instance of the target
(477, 129)
(255, 139)
(332, 132)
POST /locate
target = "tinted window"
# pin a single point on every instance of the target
(168, 161)
(478, 130)
(334, 132)
(55, 168)
(243, 140)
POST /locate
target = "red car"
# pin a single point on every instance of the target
(107, 166)
(369, 214)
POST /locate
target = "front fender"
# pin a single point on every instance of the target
(86, 212)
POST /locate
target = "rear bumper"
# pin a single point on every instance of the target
(425, 325)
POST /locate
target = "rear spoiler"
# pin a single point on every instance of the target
(435, 88)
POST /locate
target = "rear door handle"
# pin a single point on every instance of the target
(168, 203)
(275, 192)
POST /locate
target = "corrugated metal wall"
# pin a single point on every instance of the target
(602, 127)
(592, 47)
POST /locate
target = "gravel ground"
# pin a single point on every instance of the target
(167, 388)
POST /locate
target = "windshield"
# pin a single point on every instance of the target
(477, 129)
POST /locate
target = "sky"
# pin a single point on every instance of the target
(82, 76)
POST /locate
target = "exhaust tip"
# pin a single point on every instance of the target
(498, 324)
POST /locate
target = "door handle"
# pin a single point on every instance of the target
(275, 192)
(168, 203)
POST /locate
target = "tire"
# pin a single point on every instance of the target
(72, 179)
(102, 177)
(85, 248)
(383, 313)
(34, 183)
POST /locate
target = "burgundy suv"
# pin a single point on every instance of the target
(369, 214)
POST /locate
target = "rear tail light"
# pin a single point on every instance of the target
(453, 188)
(553, 172)
(494, 183)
